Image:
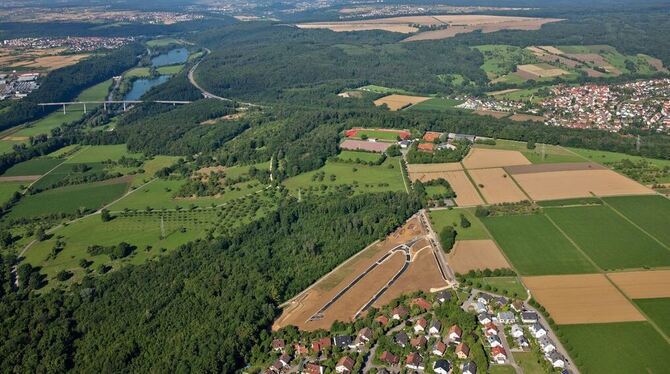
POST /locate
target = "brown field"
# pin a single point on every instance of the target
(457, 24)
(539, 71)
(298, 310)
(16, 138)
(543, 168)
(397, 102)
(422, 274)
(466, 193)
(56, 62)
(656, 63)
(481, 158)
(550, 49)
(41, 59)
(497, 186)
(492, 113)
(526, 117)
(502, 92)
(594, 59)
(578, 183)
(476, 255)
(587, 298)
(593, 73)
(20, 178)
(433, 168)
(643, 284)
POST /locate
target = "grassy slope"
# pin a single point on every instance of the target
(36, 166)
(437, 103)
(511, 284)
(536, 247)
(630, 347)
(7, 190)
(355, 155)
(657, 310)
(100, 153)
(651, 213)
(445, 217)
(611, 241)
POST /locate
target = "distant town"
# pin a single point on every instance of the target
(73, 44)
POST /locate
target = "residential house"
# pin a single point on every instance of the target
(383, 320)
(442, 367)
(455, 333)
(522, 342)
(342, 342)
(278, 345)
(517, 306)
(435, 327)
(494, 341)
(414, 361)
(537, 330)
(490, 329)
(500, 301)
(419, 342)
(345, 365)
(484, 298)
(484, 318)
(439, 348)
(420, 325)
(506, 318)
(285, 360)
(421, 303)
(321, 344)
(300, 349)
(313, 369)
(389, 358)
(399, 312)
(479, 307)
(462, 351)
(276, 367)
(546, 344)
(529, 317)
(516, 331)
(401, 339)
(469, 367)
(404, 144)
(365, 334)
(499, 355)
(556, 359)
(443, 296)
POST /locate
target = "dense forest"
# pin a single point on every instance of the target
(200, 309)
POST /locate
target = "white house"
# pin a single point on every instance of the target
(469, 368)
(546, 344)
(556, 360)
(484, 318)
(506, 318)
(537, 330)
(479, 307)
(516, 331)
(529, 317)
(494, 341)
(435, 327)
(484, 299)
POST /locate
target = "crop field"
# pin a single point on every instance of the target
(362, 178)
(650, 213)
(100, 153)
(535, 71)
(605, 157)
(7, 190)
(570, 184)
(609, 239)
(497, 186)
(657, 310)
(476, 255)
(162, 42)
(37, 59)
(616, 348)
(535, 246)
(437, 104)
(416, 170)
(381, 134)
(145, 71)
(483, 158)
(36, 166)
(440, 218)
(643, 284)
(540, 155)
(584, 298)
(466, 193)
(397, 102)
(69, 199)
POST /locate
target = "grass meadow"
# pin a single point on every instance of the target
(551, 153)
(657, 310)
(651, 213)
(7, 190)
(36, 166)
(535, 246)
(437, 104)
(357, 155)
(609, 239)
(445, 217)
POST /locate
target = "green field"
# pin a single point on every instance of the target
(367, 178)
(528, 362)
(501, 284)
(500, 60)
(162, 42)
(629, 347)
(357, 155)
(70, 149)
(74, 112)
(63, 171)
(651, 213)
(445, 217)
(542, 154)
(7, 146)
(376, 134)
(501, 369)
(536, 247)
(534, 95)
(658, 310)
(605, 157)
(69, 199)
(100, 153)
(608, 239)
(145, 71)
(7, 190)
(36, 166)
(437, 103)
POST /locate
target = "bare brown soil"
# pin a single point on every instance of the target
(20, 178)
(540, 71)
(587, 298)
(397, 102)
(482, 158)
(492, 113)
(541, 168)
(526, 117)
(433, 168)
(497, 186)
(466, 194)
(643, 284)
(476, 255)
(578, 183)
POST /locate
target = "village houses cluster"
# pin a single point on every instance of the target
(72, 44)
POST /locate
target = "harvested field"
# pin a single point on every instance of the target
(551, 49)
(352, 26)
(578, 183)
(397, 102)
(497, 186)
(55, 62)
(482, 158)
(20, 178)
(586, 298)
(540, 71)
(298, 311)
(476, 255)
(656, 63)
(354, 145)
(434, 168)
(593, 73)
(643, 284)
(422, 274)
(466, 193)
(542, 168)
(526, 117)
(492, 113)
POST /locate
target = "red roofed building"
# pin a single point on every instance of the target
(426, 147)
(389, 358)
(462, 351)
(383, 320)
(418, 342)
(278, 345)
(414, 361)
(300, 349)
(321, 344)
(399, 312)
(499, 354)
(345, 365)
(421, 302)
(455, 333)
(420, 325)
(430, 136)
(313, 369)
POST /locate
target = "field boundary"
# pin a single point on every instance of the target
(474, 184)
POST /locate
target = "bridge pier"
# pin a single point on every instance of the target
(84, 108)
(124, 106)
(104, 106)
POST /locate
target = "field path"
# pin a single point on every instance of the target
(54, 168)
